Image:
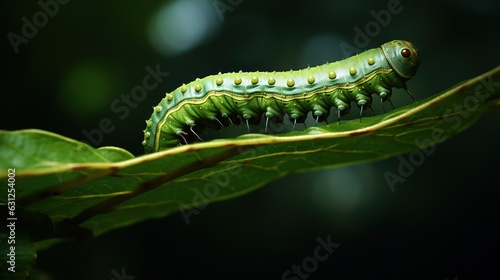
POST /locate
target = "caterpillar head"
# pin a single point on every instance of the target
(403, 58)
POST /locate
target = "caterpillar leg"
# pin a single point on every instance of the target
(382, 104)
(294, 123)
(226, 115)
(197, 136)
(341, 111)
(216, 119)
(179, 133)
(412, 97)
(361, 104)
(296, 116)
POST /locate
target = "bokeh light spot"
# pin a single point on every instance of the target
(341, 189)
(87, 89)
(182, 25)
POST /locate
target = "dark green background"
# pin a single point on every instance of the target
(442, 222)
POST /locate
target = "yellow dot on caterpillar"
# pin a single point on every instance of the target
(371, 61)
(254, 80)
(237, 80)
(184, 88)
(158, 109)
(197, 88)
(332, 75)
(310, 79)
(169, 96)
(353, 71)
(149, 123)
(219, 81)
(147, 134)
(290, 82)
(144, 143)
(271, 81)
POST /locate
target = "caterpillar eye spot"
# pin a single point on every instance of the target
(224, 100)
(405, 53)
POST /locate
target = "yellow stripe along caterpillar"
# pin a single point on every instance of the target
(219, 100)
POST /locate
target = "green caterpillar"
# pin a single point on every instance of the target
(219, 100)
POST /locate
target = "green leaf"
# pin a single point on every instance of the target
(17, 251)
(81, 188)
(16, 264)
